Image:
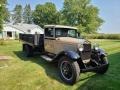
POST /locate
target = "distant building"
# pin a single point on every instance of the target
(12, 31)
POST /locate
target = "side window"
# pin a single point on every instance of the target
(49, 32)
(72, 33)
(58, 33)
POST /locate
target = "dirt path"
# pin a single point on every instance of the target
(4, 61)
(3, 57)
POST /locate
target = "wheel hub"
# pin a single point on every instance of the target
(66, 70)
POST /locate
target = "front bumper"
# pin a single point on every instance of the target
(92, 69)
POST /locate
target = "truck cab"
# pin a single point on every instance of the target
(60, 38)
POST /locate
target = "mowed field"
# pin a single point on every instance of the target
(21, 73)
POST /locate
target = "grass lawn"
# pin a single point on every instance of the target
(36, 74)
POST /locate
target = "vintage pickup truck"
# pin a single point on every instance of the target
(63, 45)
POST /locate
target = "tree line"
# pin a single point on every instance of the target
(23, 15)
(79, 13)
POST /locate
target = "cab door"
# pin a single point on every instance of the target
(49, 40)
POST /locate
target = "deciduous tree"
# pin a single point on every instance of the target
(2, 7)
(82, 14)
(45, 14)
(6, 15)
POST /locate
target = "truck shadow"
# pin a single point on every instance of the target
(90, 82)
(50, 68)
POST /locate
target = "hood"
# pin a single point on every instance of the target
(72, 40)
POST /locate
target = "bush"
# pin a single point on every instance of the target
(102, 36)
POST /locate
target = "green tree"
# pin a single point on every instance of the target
(17, 14)
(45, 14)
(82, 14)
(2, 7)
(27, 14)
(6, 15)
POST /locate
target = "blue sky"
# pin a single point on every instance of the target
(109, 11)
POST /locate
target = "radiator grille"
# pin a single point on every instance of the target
(87, 47)
(86, 53)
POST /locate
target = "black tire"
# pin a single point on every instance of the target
(28, 50)
(104, 69)
(72, 73)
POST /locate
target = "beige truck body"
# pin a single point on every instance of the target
(60, 44)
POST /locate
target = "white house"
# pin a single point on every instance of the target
(12, 31)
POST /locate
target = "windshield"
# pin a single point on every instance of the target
(66, 32)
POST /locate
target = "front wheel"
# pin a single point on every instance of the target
(69, 70)
(105, 68)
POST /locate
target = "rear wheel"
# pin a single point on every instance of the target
(104, 69)
(23, 47)
(69, 70)
(28, 50)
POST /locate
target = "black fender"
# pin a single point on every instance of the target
(102, 52)
(74, 56)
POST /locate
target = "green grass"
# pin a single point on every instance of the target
(36, 74)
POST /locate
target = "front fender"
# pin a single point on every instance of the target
(70, 54)
(102, 52)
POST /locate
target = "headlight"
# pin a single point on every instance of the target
(80, 47)
(96, 46)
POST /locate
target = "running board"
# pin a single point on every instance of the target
(47, 58)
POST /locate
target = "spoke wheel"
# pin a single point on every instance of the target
(69, 70)
(104, 69)
(66, 70)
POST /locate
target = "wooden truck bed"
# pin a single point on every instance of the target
(32, 39)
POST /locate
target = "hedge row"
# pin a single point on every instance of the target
(102, 36)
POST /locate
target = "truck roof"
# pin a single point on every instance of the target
(59, 26)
